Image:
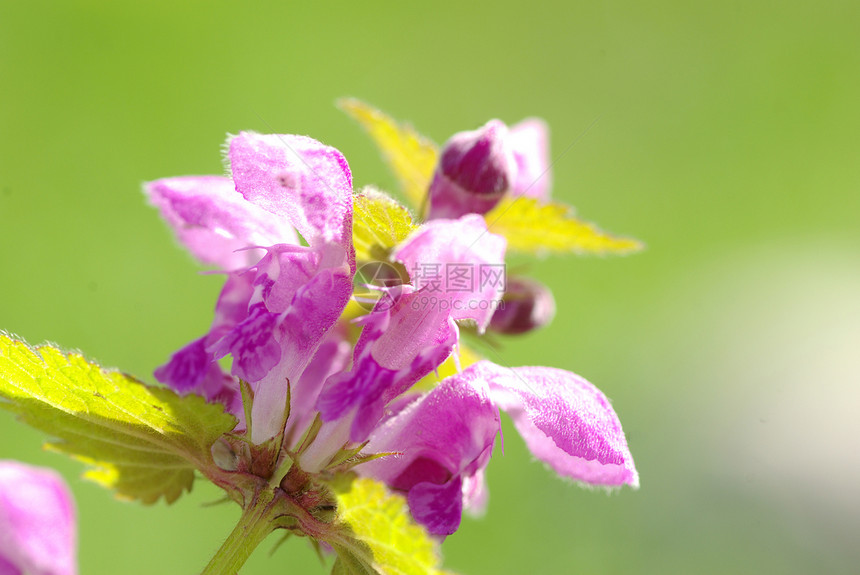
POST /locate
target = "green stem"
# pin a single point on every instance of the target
(254, 525)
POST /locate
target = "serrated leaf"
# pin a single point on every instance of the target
(382, 536)
(411, 156)
(143, 442)
(378, 224)
(533, 226)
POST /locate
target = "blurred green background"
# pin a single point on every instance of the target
(727, 138)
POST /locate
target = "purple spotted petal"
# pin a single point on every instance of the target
(252, 344)
(401, 342)
(529, 141)
(439, 508)
(216, 223)
(187, 368)
(445, 439)
(299, 179)
(565, 421)
(37, 522)
(296, 334)
(282, 272)
(466, 262)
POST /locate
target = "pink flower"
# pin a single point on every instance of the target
(37, 522)
(277, 317)
(478, 168)
(275, 312)
(446, 437)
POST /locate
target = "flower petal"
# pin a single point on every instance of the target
(298, 178)
(214, 222)
(400, 344)
(298, 331)
(459, 264)
(529, 141)
(438, 507)
(332, 356)
(445, 438)
(565, 421)
(37, 521)
(475, 169)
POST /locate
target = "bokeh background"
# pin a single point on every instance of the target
(727, 137)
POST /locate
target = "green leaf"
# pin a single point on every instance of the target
(540, 227)
(143, 442)
(381, 537)
(411, 156)
(378, 224)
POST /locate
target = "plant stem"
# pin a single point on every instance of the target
(254, 525)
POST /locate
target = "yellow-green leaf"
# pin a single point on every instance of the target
(543, 227)
(378, 224)
(143, 442)
(381, 537)
(411, 156)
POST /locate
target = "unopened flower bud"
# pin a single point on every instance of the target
(526, 305)
(474, 171)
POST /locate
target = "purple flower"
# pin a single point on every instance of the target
(37, 522)
(411, 332)
(445, 437)
(477, 168)
(276, 310)
(280, 318)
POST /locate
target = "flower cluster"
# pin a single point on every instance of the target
(328, 380)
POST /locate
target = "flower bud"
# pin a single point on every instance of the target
(474, 171)
(526, 305)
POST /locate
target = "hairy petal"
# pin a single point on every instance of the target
(297, 178)
(37, 522)
(468, 262)
(529, 141)
(215, 222)
(565, 421)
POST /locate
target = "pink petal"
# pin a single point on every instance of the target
(400, 344)
(215, 222)
(529, 141)
(475, 170)
(438, 507)
(299, 179)
(37, 521)
(300, 330)
(446, 438)
(565, 421)
(459, 266)
(332, 356)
